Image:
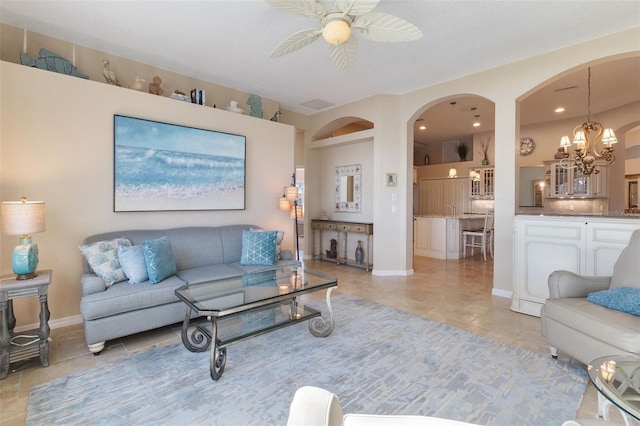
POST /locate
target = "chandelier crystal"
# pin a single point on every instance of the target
(587, 138)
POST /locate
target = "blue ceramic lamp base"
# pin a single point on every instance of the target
(25, 259)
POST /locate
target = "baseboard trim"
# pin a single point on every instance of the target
(392, 273)
(56, 323)
(501, 293)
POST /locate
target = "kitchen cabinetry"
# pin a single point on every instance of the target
(483, 189)
(342, 230)
(563, 180)
(440, 196)
(440, 237)
(587, 245)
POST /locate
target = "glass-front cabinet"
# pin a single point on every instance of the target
(564, 180)
(484, 188)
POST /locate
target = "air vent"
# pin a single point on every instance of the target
(317, 104)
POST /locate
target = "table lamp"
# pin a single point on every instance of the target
(23, 218)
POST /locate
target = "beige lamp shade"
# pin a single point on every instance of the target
(291, 193)
(565, 141)
(453, 172)
(284, 203)
(22, 217)
(609, 137)
(292, 213)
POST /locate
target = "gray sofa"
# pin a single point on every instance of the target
(585, 330)
(201, 254)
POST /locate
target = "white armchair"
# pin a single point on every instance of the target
(584, 330)
(312, 406)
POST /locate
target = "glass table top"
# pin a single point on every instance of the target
(227, 296)
(618, 378)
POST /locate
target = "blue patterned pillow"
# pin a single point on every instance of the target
(279, 238)
(258, 248)
(102, 256)
(624, 299)
(159, 259)
(133, 264)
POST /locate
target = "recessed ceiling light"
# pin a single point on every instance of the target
(422, 127)
(560, 109)
(476, 124)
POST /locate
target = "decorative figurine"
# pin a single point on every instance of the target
(109, 75)
(359, 252)
(48, 60)
(137, 84)
(154, 86)
(255, 103)
(333, 253)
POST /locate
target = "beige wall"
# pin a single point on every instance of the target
(56, 145)
(393, 117)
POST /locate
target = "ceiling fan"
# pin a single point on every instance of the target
(338, 18)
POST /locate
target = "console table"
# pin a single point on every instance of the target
(342, 229)
(17, 347)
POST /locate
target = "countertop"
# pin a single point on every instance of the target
(458, 216)
(589, 215)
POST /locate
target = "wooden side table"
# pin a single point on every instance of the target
(28, 344)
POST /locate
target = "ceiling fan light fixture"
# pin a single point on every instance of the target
(336, 29)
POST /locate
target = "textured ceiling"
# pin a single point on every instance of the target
(228, 42)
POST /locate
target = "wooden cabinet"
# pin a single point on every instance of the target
(437, 196)
(343, 232)
(483, 189)
(563, 180)
(543, 244)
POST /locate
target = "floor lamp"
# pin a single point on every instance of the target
(289, 201)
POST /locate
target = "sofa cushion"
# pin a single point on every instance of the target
(204, 274)
(258, 248)
(624, 299)
(159, 259)
(102, 256)
(131, 259)
(123, 297)
(626, 270)
(601, 323)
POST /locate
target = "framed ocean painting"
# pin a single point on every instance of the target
(161, 166)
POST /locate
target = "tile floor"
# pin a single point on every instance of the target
(457, 293)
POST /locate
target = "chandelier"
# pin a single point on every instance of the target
(586, 137)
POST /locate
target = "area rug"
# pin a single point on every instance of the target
(377, 360)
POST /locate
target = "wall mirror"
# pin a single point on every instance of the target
(348, 188)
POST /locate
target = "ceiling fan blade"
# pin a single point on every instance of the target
(306, 8)
(296, 41)
(352, 7)
(377, 26)
(344, 55)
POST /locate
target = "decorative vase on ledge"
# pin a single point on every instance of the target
(359, 252)
(485, 160)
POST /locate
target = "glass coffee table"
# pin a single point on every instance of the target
(231, 310)
(617, 378)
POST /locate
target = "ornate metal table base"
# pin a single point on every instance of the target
(199, 338)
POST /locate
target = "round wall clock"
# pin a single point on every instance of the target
(526, 146)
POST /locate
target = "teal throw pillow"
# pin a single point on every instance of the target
(624, 299)
(279, 238)
(159, 259)
(102, 256)
(258, 248)
(131, 259)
